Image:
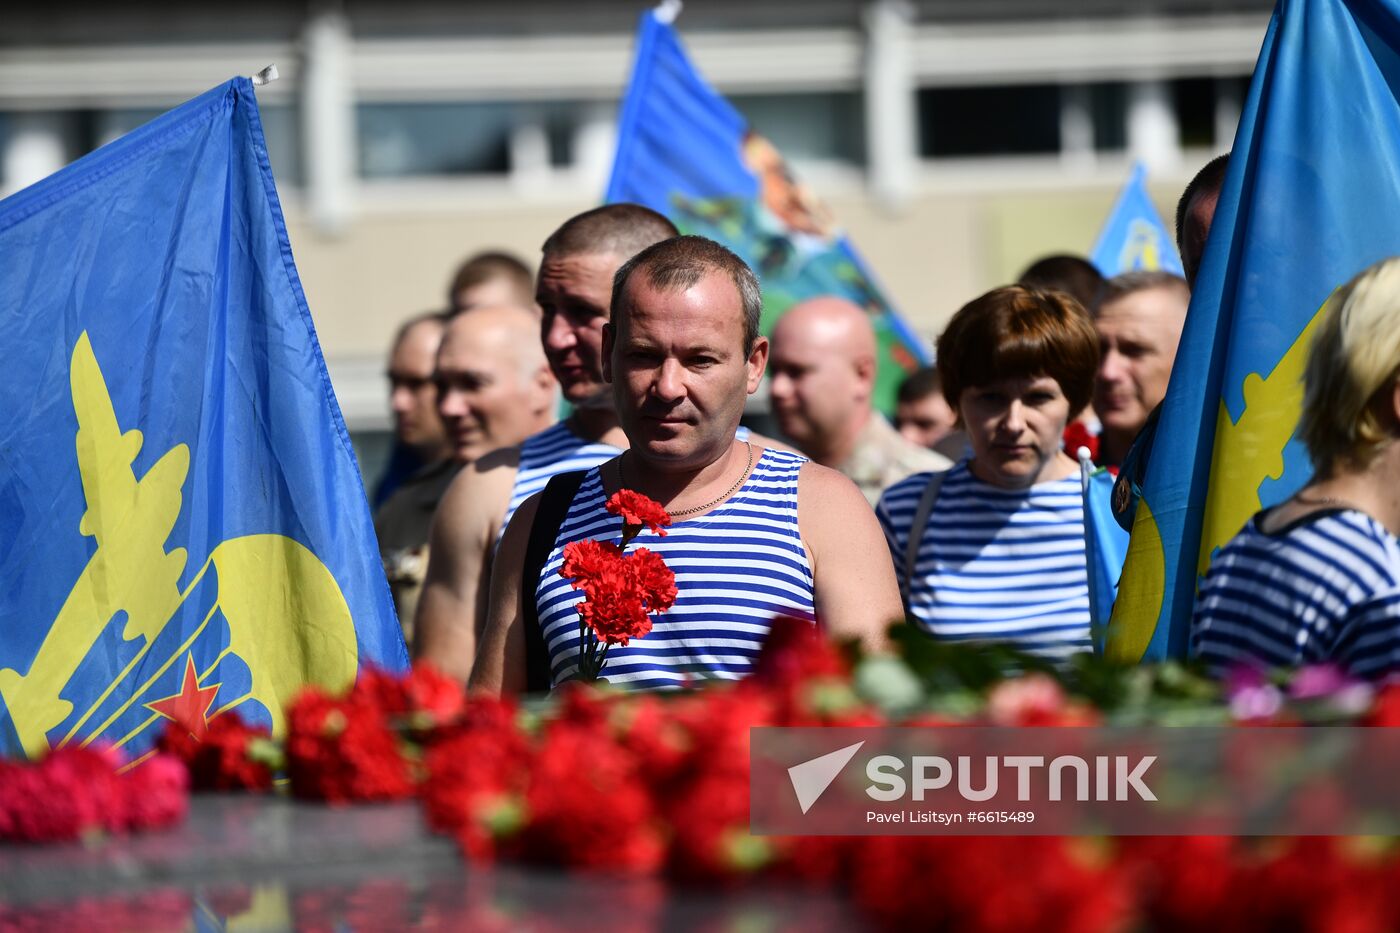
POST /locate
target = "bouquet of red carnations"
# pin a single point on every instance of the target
(621, 590)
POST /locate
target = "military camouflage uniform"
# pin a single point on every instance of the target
(402, 525)
(882, 458)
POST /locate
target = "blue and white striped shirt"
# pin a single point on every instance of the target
(554, 450)
(1325, 587)
(737, 568)
(557, 450)
(994, 564)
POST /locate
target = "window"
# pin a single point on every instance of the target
(1194, 100)
(809, 127)
(414, 139)
(1109, 105)
(975, 121)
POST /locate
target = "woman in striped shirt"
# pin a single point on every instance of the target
(993, 549)
(1317, 578)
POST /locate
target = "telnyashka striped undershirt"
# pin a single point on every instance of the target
(1325, 587)
(994, 564)
(737, 568)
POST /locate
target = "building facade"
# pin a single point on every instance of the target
(955, 140)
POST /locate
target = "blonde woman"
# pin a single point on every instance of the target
(1317, 578)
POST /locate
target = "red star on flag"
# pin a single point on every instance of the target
(189, 706)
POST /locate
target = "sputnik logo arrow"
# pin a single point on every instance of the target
(811, 778)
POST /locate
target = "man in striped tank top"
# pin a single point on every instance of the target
(573, 290)
(758, 533)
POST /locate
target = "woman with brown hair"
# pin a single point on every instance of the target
(993, 549)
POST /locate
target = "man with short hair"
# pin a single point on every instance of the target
(758, 533)
(821, 380)
(491, 278)
(492, 388)
(419, 465)
(1195, 213)
(1064, 272)
(1139, 321)
(574, 293)
(923, 416)
(420, 439)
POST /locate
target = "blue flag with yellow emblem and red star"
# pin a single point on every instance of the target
(1311, 198)
(183, 530)
(1133, 238)
(686, 152)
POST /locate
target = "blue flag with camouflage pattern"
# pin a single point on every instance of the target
(684, 151)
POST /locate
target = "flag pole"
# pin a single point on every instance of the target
(667, 10)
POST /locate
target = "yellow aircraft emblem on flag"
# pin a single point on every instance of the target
(1247, 451)
(287, 619)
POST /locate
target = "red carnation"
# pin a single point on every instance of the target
(57, 799)
(418, 700)
(993, 884)
(637, 510)
(379, 689)
(587, 562)
(621, 591)
(156, 794)
(615, 615)
(587, 805)
(795, 651)
(231, 756)
(75, 790)
(433, 695)
(476, 776)
(654, 581)
(1385, 710)
(1077, 435)
(343, 750)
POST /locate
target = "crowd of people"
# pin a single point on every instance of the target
(965, 516)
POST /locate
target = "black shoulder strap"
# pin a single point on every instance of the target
(554, 505)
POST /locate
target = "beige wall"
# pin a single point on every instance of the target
(949, 244)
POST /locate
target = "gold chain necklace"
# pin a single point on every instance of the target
(708, 505)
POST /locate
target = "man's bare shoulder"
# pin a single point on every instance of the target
(503, 458)
(763, 440)
(816, 480)
(480, 493)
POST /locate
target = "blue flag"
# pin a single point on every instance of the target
(1105, 546)
(1134, 237)
(183, 530)
(684, 151)
(1312, 197)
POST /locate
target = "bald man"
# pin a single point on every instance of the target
(493, 382)
(493, 389)
(822, 372)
